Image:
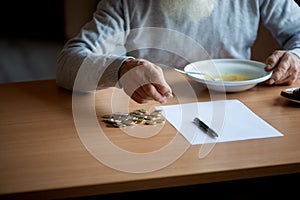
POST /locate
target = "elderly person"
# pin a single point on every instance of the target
(153, 33)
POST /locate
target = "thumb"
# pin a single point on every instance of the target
(272, 61)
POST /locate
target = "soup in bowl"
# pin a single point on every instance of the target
(230, 75)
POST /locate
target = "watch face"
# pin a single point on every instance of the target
(292, 94)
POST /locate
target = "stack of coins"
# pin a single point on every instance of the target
(139, 116)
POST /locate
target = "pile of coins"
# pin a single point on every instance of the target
(139, 116)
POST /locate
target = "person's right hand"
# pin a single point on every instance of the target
(144, 81)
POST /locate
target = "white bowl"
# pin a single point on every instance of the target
(254, 70)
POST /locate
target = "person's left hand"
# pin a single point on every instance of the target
(285, 66)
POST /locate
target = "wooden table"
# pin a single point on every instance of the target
(42, 154)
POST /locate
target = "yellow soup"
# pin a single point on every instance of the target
(233, 77)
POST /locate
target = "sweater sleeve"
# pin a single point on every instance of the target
(92, 59)
(282, 18)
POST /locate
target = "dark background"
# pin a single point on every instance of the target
(34, 31)
(32, 34)
(32, 19)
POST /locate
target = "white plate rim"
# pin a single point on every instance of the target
(230, 83)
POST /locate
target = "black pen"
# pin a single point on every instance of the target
(206, 128)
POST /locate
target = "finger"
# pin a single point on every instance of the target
(285, 81)
(151, 91)
(163, 90)
(280, 72)
(155, 85)
(129, 87)
(143, 93)
(290, 77)
(138, 98)
(272, 61)
(158, 80)
(146, 93)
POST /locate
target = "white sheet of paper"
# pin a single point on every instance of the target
(231, 119)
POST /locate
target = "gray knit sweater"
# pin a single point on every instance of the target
(139, 28)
